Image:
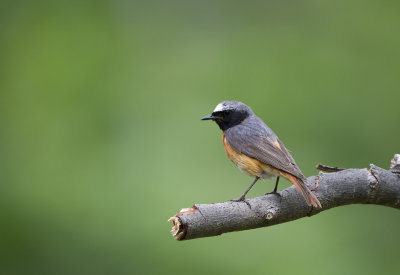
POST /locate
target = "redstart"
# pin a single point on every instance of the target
(256, 150)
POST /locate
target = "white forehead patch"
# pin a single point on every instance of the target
(219, 108)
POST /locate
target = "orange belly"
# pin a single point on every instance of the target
(248, 165)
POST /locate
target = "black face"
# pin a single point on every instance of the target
(228, 118)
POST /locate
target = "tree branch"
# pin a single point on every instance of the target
(350, 186)
(327, 168)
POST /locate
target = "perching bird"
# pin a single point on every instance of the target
(255, 149)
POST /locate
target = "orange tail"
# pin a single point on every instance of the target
(309, 196)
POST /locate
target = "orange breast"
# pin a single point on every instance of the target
(248, 165)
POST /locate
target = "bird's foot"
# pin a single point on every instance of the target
(273, 193)
(241, 199)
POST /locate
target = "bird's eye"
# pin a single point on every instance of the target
(219, 115)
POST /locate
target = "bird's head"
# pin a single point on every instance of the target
(229, 113)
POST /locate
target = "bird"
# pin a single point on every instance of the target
(256, 150)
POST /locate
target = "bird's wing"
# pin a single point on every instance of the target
(262, 144)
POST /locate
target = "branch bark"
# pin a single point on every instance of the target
(349, 186)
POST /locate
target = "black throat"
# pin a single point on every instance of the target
(230, 119)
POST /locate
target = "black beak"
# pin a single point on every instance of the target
(208, 117)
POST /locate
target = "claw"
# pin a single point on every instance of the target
(273, 193)
(241, 199)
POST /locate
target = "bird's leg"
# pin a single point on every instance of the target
(275, 189)
(241, 198)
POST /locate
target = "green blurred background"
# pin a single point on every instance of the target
(101, 139)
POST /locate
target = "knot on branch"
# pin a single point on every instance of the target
(270, 216)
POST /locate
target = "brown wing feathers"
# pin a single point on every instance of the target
(262, 148)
